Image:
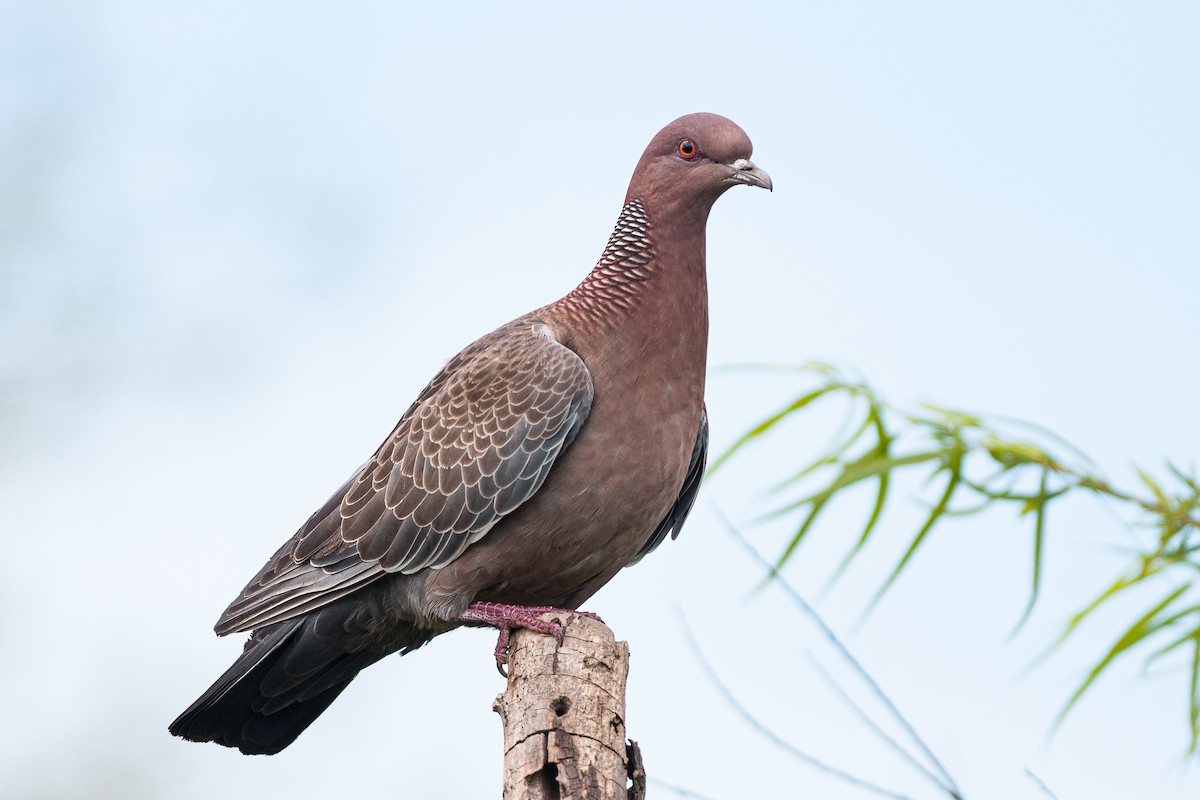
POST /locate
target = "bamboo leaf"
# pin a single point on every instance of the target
(876, 511)
(957, 419)
(1145, 626)
(831, 457)
(832, 460)
(1159, 495)
(770, 422)
(1038, 506)
(1177, 642)
(795, 542)
(1011, 454)
(869, 466)
(1194, 699)
(955, 469)
(1119, 585)
(1187, 480)
(968, 511)
(881, 451)
(1050, 435)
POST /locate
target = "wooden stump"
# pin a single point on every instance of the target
(564, 716)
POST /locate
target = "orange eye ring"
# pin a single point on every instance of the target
(688, 149)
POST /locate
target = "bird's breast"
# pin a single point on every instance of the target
(609, 491)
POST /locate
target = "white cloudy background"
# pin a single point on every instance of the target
(237, 238)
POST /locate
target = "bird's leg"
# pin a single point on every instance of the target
(539, 610)
(506, 617)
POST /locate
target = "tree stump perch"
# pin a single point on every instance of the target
(564, 716)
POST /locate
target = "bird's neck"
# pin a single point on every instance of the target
(645, 269)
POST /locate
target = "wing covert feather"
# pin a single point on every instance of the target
(478, 442)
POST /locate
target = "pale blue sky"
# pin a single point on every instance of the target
(236, 239)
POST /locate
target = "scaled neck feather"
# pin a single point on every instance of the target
(615, 281)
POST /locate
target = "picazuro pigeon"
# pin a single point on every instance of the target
(541, 460)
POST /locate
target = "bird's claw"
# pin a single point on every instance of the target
(506, 617)
(501, 651)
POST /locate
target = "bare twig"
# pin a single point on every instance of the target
(874, 727)
(677, 790)
(948, 783)
(1040, 784)
(769, 734)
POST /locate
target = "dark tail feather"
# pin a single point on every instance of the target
(289, 673)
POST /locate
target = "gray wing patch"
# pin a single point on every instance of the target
(478, 442)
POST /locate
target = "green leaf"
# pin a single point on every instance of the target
(1187, 480)
(770, 422)
(955, 469)
(1145, 626)
(832, 455)
(1177, 642)
(795, 542)
(1194, 700)
(1011, 454)
(1037, 504)
(1159, 494)
(955, 419)
(869, 466)
(1120, 584)
(881, 451)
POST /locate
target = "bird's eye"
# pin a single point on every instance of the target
(687, 148)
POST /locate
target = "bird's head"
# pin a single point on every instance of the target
(693, 161)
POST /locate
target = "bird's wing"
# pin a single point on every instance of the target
(673, 522)
(478, 442)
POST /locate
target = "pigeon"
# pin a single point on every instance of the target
(540, 461)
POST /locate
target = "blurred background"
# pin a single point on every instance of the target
(236, 239)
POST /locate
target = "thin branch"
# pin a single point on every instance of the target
(874, 727)
(1038, 782)
(833, 639)
(769, 734)
(678, 790)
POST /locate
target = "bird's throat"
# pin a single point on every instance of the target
(644, 269)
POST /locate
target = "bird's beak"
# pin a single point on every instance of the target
(745, 172)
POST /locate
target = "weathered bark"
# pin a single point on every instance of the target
(564, 716)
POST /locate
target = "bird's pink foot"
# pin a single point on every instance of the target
(506, 617)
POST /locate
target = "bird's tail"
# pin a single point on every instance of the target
(288, 674)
